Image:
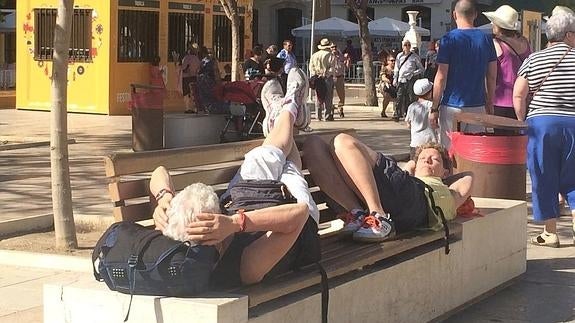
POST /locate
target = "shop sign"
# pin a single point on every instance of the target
(140, 3)
(391, 2)
(186, 6)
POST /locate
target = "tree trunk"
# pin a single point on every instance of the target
(359, 8)
(231, 10)
(60, 170)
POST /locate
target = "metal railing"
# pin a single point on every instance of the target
(354, 74)
(7, 79)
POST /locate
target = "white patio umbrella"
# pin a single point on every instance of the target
(390, 28)
(333, 26)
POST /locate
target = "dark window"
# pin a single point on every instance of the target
(184, 28)
(10, 49)
(255, 29)
(80, 39)
(137, 35)
(370, 11)
(222, 38)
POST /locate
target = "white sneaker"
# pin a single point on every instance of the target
(272, 98)
(375, 228)
(296, 90)
(546, 239)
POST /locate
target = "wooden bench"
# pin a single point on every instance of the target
(346, 262)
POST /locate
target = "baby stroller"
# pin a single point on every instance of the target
(246, 110)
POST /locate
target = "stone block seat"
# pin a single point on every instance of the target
(408, 279)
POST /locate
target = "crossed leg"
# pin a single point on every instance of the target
(354, 162)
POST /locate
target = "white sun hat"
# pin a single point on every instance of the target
(504, 17)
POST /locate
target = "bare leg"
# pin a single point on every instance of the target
(281, 136)
(323, 168)
(551, 225)
(358, 161)
(385, 103)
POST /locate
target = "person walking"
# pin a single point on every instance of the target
(290, 61)
(466, 73)
(189, 69)
(386, 88)
(407, 69)
(511, 49)
(321, 65)
(548, 76)
(431, 60)
(338, 77)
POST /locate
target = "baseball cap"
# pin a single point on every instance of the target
(422, 86)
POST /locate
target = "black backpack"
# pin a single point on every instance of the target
(252, 195)
(136, 260)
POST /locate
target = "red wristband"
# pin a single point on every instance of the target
(242, 220)
(163, 192)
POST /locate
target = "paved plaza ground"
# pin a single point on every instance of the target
(546, 293)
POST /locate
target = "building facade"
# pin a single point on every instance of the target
(112, 45)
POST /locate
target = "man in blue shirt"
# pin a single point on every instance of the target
(466, 75)
(290, 61)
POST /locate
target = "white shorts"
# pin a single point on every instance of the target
(446, 114)
(269, 162)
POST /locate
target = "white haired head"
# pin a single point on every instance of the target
(558, 25)
(194, 199)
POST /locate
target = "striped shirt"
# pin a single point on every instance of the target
(556, 96)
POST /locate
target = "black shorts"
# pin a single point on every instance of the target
(305, 250)
(186, 81)
(401, 195)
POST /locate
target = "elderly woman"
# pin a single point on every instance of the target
(548, 76)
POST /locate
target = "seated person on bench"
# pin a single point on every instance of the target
(244, 259)
(397, 200)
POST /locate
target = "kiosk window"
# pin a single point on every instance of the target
(137, 35)
(80, 39)
(184, 28)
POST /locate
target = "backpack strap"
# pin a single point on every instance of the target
(98, 249)
(438, 211)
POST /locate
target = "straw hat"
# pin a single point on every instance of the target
(504, 17)
(324, 44)
(422, 86)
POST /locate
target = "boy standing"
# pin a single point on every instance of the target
(417, 117)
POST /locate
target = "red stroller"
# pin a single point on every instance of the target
(247, 113)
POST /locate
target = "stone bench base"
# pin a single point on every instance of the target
(416, 287)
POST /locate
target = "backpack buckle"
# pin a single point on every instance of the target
(132, 261)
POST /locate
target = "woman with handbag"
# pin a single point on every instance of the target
(548, 76)
(386, 88)
(511, 49)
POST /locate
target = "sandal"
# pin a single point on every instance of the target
(546, 239)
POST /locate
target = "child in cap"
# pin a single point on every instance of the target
(417, 116)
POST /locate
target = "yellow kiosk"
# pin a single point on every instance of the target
(112, 45)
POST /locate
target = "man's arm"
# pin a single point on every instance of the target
(520, 91)
(490, 81)
(461, 187)
(438, 87)
(161, 186)
(396, 70)
(213, 228)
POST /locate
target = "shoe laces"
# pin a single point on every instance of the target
(371, 221)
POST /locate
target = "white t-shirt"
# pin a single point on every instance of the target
(418, 116)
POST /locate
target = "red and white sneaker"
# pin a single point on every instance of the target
(375, 228)
(352, 221)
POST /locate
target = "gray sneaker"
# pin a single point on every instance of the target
(272, 97)
(296, 92)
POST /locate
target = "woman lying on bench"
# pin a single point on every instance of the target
(397, 200)
(261, 243)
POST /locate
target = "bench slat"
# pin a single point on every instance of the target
(139, 188)
(137, 162)
(334, 267)
(133, 213)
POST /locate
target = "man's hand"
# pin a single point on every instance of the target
(433, 118)
(160, 216)
(210, 229)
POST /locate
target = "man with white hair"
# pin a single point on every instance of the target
(247, 258)
(407, 69)
(466, 73)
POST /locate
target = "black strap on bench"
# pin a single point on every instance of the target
(324, 293)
